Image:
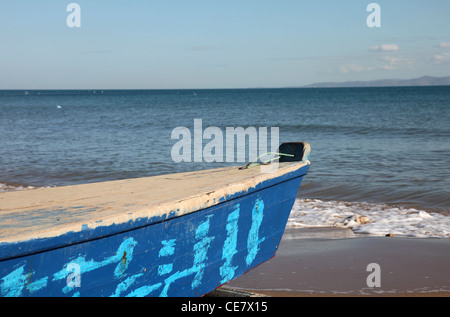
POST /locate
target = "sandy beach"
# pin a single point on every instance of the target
(335, 262)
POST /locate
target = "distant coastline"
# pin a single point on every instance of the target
(421, 81)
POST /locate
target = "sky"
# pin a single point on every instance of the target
(194, 44)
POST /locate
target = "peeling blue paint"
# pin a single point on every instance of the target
(17, 281)
(201, 250)
(168, 249)
(144, 290)
(13, 284)
(37, 285)
(125, 250)
(227, 271)
(253, 240)
(123, 286)
(164, 269)
(200, 256)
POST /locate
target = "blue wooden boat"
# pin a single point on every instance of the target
(181, 234)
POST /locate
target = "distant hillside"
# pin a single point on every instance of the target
(422, 81)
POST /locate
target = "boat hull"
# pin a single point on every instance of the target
(186, 256)
(176, 253)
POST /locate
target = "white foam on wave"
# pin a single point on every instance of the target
(8, 188)
(369, 218)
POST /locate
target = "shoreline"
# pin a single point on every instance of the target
(322, 262)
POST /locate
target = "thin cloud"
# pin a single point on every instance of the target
(388, 63)
(444, 45)
(384, 48)
(395, 61)
(441, 58)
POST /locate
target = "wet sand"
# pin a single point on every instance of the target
(334, 262)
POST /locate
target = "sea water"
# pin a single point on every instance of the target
(382, 153)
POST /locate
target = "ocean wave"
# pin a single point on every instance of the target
(8, 187)
(369, 218)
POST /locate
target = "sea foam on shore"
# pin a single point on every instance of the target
(6, 187)
(369, 218)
